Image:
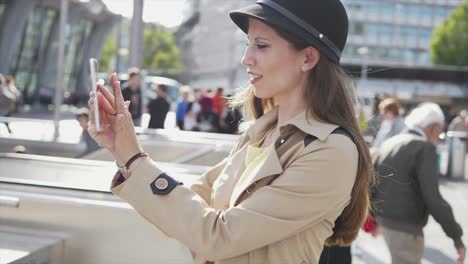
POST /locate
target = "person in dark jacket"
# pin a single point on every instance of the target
(158, 107)
(131, 91)
(407, 190)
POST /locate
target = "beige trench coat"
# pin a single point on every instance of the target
(285, 221)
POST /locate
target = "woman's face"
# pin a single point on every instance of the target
(272, 62)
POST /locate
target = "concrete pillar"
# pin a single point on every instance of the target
(136, 33)
(92, 48)
(13, 21)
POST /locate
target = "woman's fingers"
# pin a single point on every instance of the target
(119, 102)
(109, 97)
(105, 105)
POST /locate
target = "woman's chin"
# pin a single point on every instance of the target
(262, 94)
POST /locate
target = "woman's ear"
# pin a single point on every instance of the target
(311, 58)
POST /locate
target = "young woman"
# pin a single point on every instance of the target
(298, 177)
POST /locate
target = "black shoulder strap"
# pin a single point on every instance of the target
(310, 138)
(343, 132)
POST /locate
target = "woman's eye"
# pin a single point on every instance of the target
(258, 46)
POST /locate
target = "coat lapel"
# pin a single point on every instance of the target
(271, 166)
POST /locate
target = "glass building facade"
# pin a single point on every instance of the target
(394, 32)
(26, 64)
(29, 44)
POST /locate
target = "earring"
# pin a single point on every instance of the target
(303, 68)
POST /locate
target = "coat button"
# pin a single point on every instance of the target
(161, 183)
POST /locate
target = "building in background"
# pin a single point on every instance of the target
(395, 32)
(211, 45)
(387, 50)
(390, 41)
(29, 40)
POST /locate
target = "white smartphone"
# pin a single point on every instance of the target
(93, 70)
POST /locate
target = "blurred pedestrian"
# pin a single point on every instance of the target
(207, 119)
(10, 84)
(193, 108)
(7, 101)
(206, 98)
(407, 190)
(131, 91)
(182, 104)
(392, 123)
(82, 116)
(159, 107)
(460, 122)
(376, 103)
(219, 102)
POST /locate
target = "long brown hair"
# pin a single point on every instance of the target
(330, 96)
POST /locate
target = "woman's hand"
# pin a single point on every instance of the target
(117, 132)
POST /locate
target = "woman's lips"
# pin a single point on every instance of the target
(254, 77)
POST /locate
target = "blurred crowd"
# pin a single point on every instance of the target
(206, 111)
(196, 110)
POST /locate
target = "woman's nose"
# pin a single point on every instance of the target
(247, 59)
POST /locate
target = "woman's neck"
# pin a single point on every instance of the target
(289, 107)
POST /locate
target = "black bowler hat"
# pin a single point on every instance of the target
(321, 23)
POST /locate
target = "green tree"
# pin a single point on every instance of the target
(160, 52)
(109, 51)
(449, 43)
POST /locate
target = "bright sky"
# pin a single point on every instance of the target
(165, 12)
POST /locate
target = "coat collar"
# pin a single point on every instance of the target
(272, 164)
(417, 131)
(306, 123)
